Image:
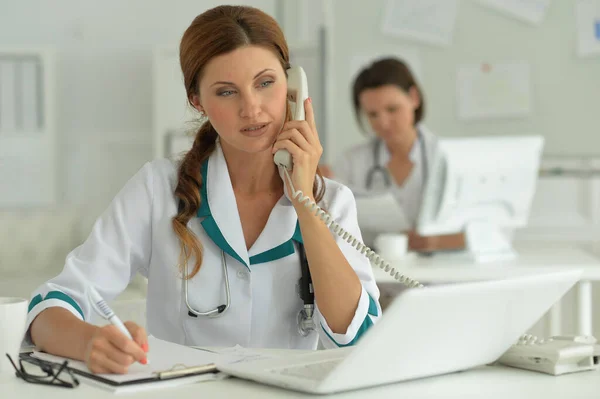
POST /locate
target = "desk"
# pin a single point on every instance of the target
(491, 382)
(533, 258)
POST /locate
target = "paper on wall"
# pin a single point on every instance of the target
(429, 21)
(493, 90)
(532, 11)
(588, 27)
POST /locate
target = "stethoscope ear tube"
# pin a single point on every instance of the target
(306, 287)
(378, 168)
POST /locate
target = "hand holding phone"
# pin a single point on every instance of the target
(297, 94)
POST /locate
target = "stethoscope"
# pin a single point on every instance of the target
(305, 290)
(378, 168)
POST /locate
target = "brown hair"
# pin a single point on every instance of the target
(217, 31)
(386, 71)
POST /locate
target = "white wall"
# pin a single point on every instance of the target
(565, 94)
(104, 79)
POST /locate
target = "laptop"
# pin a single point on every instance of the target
(424, 332)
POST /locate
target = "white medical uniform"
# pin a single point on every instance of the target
(352, 169)
(135, 235)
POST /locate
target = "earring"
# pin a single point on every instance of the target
(203, 116)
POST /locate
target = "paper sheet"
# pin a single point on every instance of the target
(242, 354)
(429, 21)
(493, 90)
(588, 27)
(532, 11)
(380, 213)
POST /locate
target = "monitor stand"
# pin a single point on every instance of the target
(487, 242)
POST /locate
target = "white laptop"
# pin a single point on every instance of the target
(424, 332)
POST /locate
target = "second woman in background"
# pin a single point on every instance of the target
(398, 158)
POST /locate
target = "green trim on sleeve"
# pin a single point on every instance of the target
(64, 297)
(372, 306)
(367, 323)
(34, 301)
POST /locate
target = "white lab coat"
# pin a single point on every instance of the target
(135, 235)
(352, 169)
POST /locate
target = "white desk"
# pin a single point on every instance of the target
(533, 258)
(484, 382)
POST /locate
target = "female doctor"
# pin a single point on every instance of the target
(399, 157)
(222, 213)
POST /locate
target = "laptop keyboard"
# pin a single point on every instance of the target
(312, 371)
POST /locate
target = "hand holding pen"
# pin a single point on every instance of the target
(110, 351)
(113, 348)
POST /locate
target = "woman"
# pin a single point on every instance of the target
(398, 158)
(223, 213)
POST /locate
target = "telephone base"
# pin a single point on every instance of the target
(556, 356)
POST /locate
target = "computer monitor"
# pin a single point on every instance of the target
(482, 186)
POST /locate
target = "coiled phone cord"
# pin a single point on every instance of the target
(349, 238)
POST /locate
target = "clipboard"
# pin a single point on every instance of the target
(177, 371)
(185, 365)
(178, 375)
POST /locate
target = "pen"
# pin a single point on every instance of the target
(102, 308)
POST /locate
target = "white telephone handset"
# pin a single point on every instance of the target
(297, 94)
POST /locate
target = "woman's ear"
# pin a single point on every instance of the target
(415, 97)
(195, 99)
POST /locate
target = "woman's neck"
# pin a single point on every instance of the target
(252, 173)
(402, 143)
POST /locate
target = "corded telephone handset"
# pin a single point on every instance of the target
(556, 355)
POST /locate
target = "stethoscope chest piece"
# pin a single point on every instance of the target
(306, 323)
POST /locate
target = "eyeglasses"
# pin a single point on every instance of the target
(45, 373)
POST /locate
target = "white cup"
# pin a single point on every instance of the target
(13, 316)
(391, 245)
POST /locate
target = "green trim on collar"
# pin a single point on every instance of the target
(211, 228)
(280, 251)
(215, 234)
(367, 323)
(204, 208)
(209, 224)
(297, 234)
